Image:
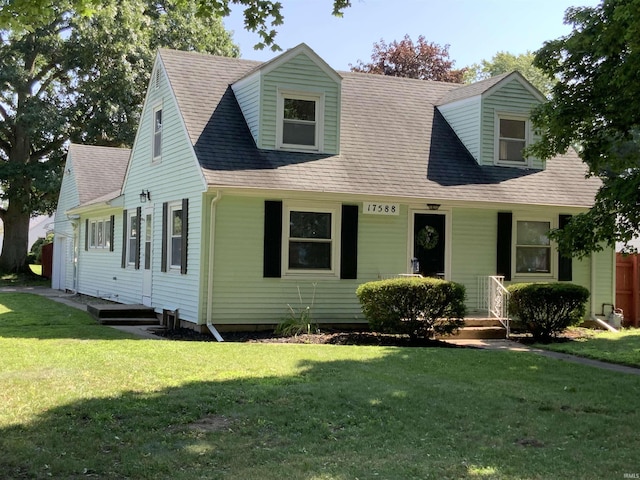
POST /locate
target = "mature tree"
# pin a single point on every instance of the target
(422, 60)
(505, 62)
(260, 16)
(596, 107)
(79, 78)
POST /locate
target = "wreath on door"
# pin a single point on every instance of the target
(428, 237)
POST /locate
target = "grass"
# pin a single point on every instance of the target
(82, 400)
(22, 280)
(622, 347)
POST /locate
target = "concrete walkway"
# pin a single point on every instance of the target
(507, 345)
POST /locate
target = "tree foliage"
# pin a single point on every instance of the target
(505, 62)
(422, 60)
(596, 107)
(81, 78)
(260, 16)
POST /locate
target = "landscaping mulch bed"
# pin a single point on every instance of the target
(329, 337)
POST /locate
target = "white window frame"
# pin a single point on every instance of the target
(103, 225)
(334, 210)
(514, 250)
(171, 208)
(527, 161)
(130, 224)
(155, 132)
(316, 97)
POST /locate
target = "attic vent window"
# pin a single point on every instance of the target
(512, 139)
(300, 121)
(157, 134)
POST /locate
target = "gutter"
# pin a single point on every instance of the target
(212, 234)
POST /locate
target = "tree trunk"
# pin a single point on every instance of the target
(16, 240)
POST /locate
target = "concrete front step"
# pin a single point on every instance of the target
(483, 333)
(479, 328)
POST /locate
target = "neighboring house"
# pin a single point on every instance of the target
(38, 228)
(251, 184)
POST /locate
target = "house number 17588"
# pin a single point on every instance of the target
(375, 208)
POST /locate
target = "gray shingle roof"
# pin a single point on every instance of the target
(99, 171)
(393, 142)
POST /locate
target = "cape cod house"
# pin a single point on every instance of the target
(252, 186)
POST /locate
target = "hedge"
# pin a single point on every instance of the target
(418, 307)
(546, 309)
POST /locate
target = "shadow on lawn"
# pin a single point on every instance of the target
(405, 414)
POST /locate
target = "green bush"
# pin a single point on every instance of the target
(546, 309)
(35, 255)
(418, 307)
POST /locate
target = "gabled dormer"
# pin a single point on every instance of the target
(292, 103)
(492, 119)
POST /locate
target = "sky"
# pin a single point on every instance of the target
(475, 30)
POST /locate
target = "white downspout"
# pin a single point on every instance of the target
(212, 236)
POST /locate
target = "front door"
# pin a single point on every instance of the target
(147, 231)
(429, 244)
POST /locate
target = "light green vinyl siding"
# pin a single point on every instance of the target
(99, 272)
(464, 118)
(63, 228)
(176, 176)
(303, 75)
(604, 279)
(512, 98)
(248, 96)
(474, 234)
(242, 295)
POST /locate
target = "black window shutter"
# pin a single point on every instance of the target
(138, 223)
(503, 257)
(349, 242)
(272, 256)
(86, 234)
(565, 264)
(185, 235)
(123, 264)
(163, 260)
(112, 221)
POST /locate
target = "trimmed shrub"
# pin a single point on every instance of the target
(546, 309)
(418, 307)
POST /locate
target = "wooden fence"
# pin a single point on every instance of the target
(628, 288)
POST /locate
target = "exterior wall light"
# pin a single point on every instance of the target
(145, 195)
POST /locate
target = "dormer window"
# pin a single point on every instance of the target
(300, 121)
(512, 138)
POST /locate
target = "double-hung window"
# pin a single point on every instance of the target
(175, 236)
(512, 139)
(310, 240)
(533, 248)
(300, 117)
(100, 234)
(132, 238)
(157, 134)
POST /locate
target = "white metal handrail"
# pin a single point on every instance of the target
(494, 297)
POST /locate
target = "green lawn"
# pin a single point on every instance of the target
(20, 280)
(80, 400)
(622, 347)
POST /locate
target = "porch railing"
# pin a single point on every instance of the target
(494, 298)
